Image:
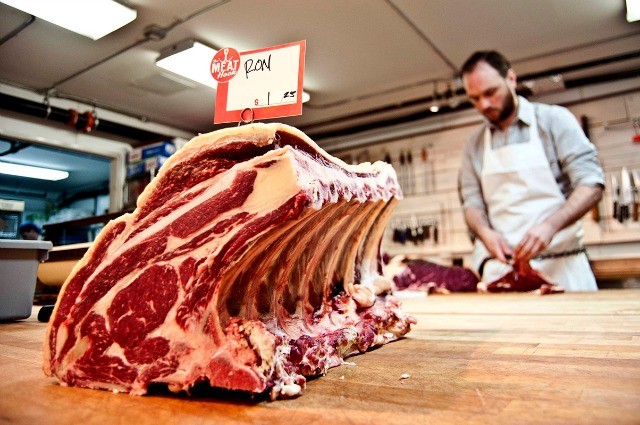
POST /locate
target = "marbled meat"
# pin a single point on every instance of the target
(251, 262)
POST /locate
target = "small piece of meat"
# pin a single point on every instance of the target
(523, 278)
(418, 274)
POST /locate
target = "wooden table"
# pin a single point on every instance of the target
(472, 359)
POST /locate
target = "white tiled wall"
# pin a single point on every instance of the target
(433, 194)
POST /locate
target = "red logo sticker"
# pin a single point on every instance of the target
(225, 64)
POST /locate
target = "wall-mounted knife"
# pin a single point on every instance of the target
(425, 158)
(636, 193)
(615, 191)
(409, 173)
(403, 185)
(626, 195)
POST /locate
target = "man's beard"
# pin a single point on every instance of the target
(508, 106)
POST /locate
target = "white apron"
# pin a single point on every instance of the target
(520, 191)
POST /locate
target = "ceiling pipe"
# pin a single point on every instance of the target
(74, 119)
(18, 29)
(581, 66)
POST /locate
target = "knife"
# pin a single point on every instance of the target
(402, 183)
(614, 195)
(425, 157)
(626, 196)
(636, 193)
(409, 173)
(433, 170)
(414, 234)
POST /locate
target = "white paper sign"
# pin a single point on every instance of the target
(268, 83)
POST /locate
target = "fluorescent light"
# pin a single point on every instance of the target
(633, 10)
(190, 59)
(93, 19)
(32, 172)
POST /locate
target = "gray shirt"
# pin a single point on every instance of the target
(572, 157)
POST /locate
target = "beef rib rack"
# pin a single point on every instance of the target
(251, 261)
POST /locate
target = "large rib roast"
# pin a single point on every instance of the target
(251, 261)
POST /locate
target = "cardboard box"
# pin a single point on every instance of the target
(19, 261)
(149, 164)
(161, 149)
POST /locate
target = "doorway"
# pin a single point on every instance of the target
(84, 193)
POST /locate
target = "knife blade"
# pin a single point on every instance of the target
(425, 157)
(626, 197)
(615, 191)
(402, 183)
(636, 193)
(409, 173)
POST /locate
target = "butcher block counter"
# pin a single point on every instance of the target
(472, 359)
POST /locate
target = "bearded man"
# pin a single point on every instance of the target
(528, 176)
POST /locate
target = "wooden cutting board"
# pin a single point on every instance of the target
(472, 359)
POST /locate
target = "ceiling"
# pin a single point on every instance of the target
(368, 62)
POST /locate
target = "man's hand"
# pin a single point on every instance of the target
(581, 200)
(534, 241)
(496, 245)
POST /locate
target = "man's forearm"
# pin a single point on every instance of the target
(477, 220)
(495, 243)
(581, 200)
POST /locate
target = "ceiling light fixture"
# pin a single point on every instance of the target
(32, 172)
(95, 21)
(190, 59)
(434, 105)
(633, 10)
(556, 78)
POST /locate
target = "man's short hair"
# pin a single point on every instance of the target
(496, 60)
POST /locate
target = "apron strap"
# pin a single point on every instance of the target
(482, 264)
(559, 254)
(546, 256)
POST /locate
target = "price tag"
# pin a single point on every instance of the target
(267, 81)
